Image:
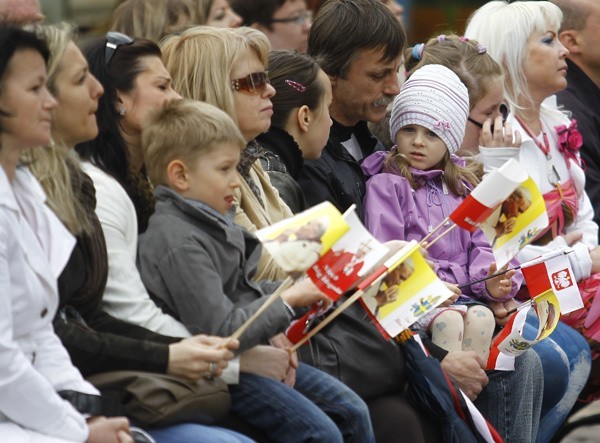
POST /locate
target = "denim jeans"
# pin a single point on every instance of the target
(318, 409)
(194, 433)
(512, 400)
(566, 361)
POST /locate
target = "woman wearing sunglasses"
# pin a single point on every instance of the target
(227, 68)
(34, 246)
(106, 344)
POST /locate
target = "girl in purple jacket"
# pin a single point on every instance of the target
(418, 184)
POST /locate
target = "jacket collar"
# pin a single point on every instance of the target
(367, 141)
(284, 145)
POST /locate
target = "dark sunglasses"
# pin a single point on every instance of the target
(113, 41)
(503, 112)
(254, 83)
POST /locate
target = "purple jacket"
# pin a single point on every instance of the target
(395, 211)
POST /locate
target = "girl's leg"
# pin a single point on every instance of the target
(447, 330)
(195, 433)
(479, 329)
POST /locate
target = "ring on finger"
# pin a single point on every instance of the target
(210, 372)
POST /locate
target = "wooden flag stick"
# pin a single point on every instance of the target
(328, 319)
(532, 262)
(428, 245)
(274, 296)
(434, 230)
(516, 308)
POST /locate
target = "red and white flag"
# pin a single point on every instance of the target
(488, 195)
(555, 274)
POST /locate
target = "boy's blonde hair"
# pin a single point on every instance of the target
(184, 130)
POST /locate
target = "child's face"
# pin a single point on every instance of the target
(423, 148)
(213, 177)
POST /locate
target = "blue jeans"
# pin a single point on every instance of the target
(566, 361)
(319, 408)
(195, 433)
(512, 400)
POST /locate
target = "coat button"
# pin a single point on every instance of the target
(44, 312)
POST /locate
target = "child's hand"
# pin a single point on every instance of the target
(500, 286)
(501, 309)
(304, 293)
(454, 288)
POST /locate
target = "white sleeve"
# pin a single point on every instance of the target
(125, 296)
(493, 158)
(26, 396)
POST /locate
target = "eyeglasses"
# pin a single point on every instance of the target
(306, 16)
(113, 41)
(254, 83)
(503, 112)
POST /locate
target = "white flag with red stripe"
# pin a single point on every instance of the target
(555, 274)
(488, 195)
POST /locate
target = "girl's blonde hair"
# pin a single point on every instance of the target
(57, 167)
(505, 28)
(459, 179)
(201, 59)
(466, 58)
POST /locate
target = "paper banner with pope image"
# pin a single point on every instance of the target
(296, 243)
(348, 260)
(516, 222)
(404, 293)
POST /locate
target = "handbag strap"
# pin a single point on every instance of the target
(92, 404)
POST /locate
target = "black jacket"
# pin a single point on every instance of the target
(96, 341)
(582, 98)
(281, 158)
(337, 176)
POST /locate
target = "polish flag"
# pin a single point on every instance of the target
(488, 195)
(555, 274)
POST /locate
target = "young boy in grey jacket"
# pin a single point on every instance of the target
(198, 265)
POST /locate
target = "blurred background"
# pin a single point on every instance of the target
(422, 18)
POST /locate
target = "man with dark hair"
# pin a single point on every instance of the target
(580, 34)
(359, 45)
(285, 22)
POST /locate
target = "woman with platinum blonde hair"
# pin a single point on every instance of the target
(523, 38)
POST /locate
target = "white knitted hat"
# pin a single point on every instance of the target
(435, 98)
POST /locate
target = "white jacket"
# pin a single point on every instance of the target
(34, 247)
(534, 161)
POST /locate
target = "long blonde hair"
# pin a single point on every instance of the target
(57, 167)
(201, 59)
(459, 179)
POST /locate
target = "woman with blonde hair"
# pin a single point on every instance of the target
(227, 68)
(196, 59)
(155, 19)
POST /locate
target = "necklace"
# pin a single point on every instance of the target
(551, 172)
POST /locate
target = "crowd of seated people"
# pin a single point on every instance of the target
(137, 168)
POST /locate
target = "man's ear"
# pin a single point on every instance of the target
(177, 175)
(333, 80)
(304, 118)
(570, 40)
